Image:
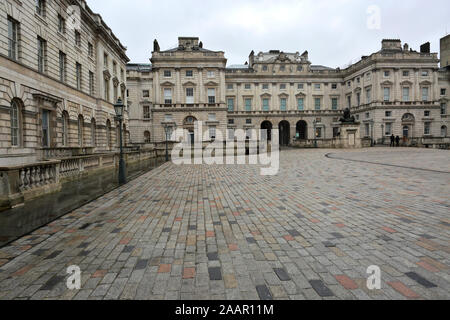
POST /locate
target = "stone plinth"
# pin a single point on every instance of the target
(350, 135)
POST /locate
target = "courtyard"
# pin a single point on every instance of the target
(226, 232)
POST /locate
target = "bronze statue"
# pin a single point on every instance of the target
(156, 46)
(348, 118)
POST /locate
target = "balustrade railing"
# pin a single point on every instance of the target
(37, 175)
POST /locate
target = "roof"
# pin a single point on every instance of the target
(238, 66)
(319, 67)
(140, 67)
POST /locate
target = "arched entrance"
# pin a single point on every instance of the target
(302, 130)
(408, 121)
(406, 132)
(266, 125)
(188, 124)
(284, 128)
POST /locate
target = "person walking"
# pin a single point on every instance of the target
(392, 140)
(397, 140)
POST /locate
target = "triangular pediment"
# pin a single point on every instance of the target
(168, 84)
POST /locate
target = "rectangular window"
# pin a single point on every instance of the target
(283, 86)
(189, 95)
(77, 38)
(13, 33)
(168, 118)
(40, 7)
(211, 74)
(425, 73)
(41, 44)
(116, 93)
(105, 61)
(387, 74)
(334, 86)
(248, 121)
(426, 113)
(300, 104)
(283, 104)
(78, 75)
(358, 99)
(427, 128)
(248, 86)
(167, 73)
(334, 103)
(264, 68)
(212, 132)
(61, 24)
(62, 66)
(425, 94)
(114, 68)
(211, 96)
(146, 93)
(265, 86)
(282, 68)
(146, 112)
(189, 73)
(45, 128)
(122, 74)
(91, 83)
(230, 103)
(317, 86)
(317, 103)
(443, 108)
(443, 91)
(167, 95)
(90, 50)
(349, 101)
(358, 80)
(368, 96)
(230, 121)
(406, 73)
(387, 94)
(388, 114)
(406, 94)
(335, 132)
(248, 104)
(300, 86)
(230, 87)
(266, 104)
(367, 115)
(388, 129)
(367, 127)
(15, 124)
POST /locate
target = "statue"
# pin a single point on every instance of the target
(156, 46)
(348, 118)
(200, 45)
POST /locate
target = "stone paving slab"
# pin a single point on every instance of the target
(226, 232)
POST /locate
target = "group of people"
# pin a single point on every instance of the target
(395, 141)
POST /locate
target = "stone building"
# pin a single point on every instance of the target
(61, 70)
(393, 91)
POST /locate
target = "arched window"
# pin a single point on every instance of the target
(65, 128)
(16, 128)
(147, 137)
(93, 133)
(108, 134)
(80, 130)
(444, 131)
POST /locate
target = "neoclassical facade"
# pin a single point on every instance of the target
(59, 78)
(396, 90)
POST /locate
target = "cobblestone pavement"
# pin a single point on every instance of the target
(225, 232)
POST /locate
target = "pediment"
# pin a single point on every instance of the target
(425, 83)
(300, 95)
(266, 95)
(189, 84)
(357, 89)
(211, 84)
(168, 84)
(406, 83)
(387, 83)
(283, 95)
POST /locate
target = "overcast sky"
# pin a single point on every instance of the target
(334, 32)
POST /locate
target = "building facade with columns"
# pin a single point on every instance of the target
(396, 90)
(61, 70)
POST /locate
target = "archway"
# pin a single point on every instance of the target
(266, 125)
(284, 128)
(302, 130)
(188, 124)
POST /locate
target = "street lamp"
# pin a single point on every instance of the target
(119, 107)
(372, 123)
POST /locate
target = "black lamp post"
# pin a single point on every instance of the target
(119, 107)
(372, 123)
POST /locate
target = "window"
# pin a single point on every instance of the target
(105, 61)
(405, 93)
(264, 68)
(45, 128)
(248, 104)
(406, 73)
(212, 132)
(282, 68)
(116, 91)
(40, 7)
(93, 133)
(349, 84)
(283, 86)
(211, 96)
(283, 104)
(427, 128)
(300, 86)
(334, 86)
(230, 103)
(167, 73)
(15, 124)
(349, 101)
(91, 83)
(78, 75)
(146, 110)
(77, 38)
(13, 32)
(443, 91)
(425, 73)
(91, 50)
(248, 86)
(358, 99)
(443, 131)
(189, 95)
(265, 86)
(189, 73)
(334, 103)
(106, 89)
(426, 113)
(367, 115)
(387, 93)
(317, 103)
(425, 94)
(41, 45)
(368, 96)
(317, 86)
(211, 117)
(388, 129)
(387, 73)
(211, 74)
(367, 131)
(388, 114)
(230, 121)
(80, 130)
(167, 95)
(146, 137)
(300, 104)
(61, 24)
(122, 74)
(443, 108)
(299, 68)
(248, 121)
(266, 104)
(230, 87)
(168, 118)
(358, 80)
(368, 75)
(114, 68)
(65, 128)
(62, 66)
(145, 93)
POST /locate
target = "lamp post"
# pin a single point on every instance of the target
(371, 133)
(382, 134)
(118, 107)
(315, 133)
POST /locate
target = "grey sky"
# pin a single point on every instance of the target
(334, 32)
